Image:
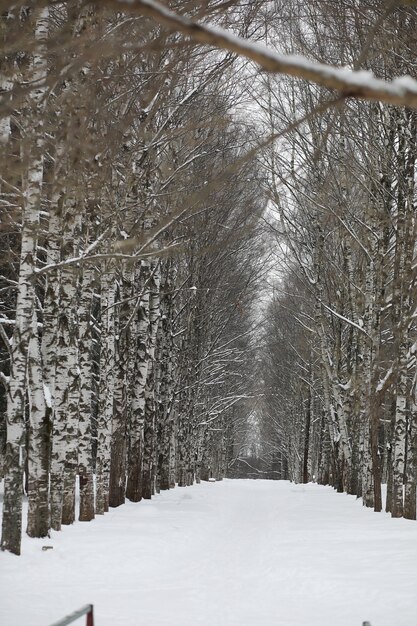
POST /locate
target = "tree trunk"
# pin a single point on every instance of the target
(411, 469)
(106, 389)
(149, 465)
(14, 458)
(85, 460)
(64, 443)
(39, 443)
(140, 342)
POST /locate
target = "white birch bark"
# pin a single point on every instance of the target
(139, 340)
(166, 383)
(173, 449)
(42, 411)
(12, 506)
(38, 523)
(403, 282)
(119, 421)
(150, 410)
(51, 301)
(411, 471)
(182, 432)
(85, 460)
(409, 511)
(64, 445)
(106, 388)
(6, 86)
(400, 428)
(367, 476)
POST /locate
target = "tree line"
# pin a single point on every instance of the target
(339, 367)
(128, 273)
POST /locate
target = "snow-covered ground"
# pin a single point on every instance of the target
(233, 553)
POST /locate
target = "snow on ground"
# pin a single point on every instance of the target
(232, 553)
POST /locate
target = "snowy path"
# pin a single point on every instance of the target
(236, 553)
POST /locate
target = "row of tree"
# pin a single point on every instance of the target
(131, 193)
(339, 368)
(130, 272)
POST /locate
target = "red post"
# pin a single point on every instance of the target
(90, 617)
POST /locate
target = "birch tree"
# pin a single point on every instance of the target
(25, 306)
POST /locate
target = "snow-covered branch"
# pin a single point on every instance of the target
(84, 260)
(401, 91)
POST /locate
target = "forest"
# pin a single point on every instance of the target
(207, 251)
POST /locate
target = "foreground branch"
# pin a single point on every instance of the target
(358, 84)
